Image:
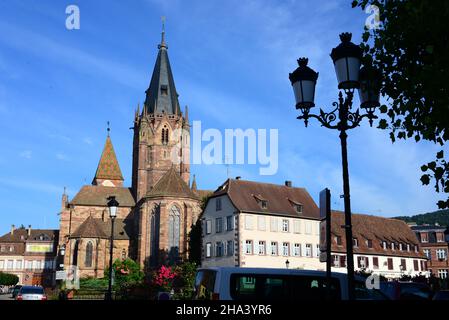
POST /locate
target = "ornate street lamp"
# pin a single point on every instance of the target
(347, 60)
(112, 206)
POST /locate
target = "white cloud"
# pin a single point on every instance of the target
(88, 141)
(27, 154)
(38, 186)
(62, 157)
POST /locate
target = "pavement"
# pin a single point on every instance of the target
(6, 297)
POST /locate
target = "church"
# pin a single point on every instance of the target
(156, 213)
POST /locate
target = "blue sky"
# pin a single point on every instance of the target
(230, 60)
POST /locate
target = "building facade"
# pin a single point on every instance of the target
(434, 243)
(156, 213)
(381, 245)
(251, 224)
(30, 254)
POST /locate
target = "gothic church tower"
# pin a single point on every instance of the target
(166, 206)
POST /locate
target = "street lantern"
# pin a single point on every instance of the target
(62, 250)
(347, 59)
(112, 205)
(369, 91)
(287, 263)
(303, 80)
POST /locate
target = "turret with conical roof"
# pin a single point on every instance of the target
(108, 171)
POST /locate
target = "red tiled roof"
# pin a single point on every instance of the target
(244, 195)
(108, 167)
(97, 228)
(376, 229)
(171, 184)
(97, 196)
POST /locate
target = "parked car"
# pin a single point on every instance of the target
(441, 295)
(15, 291)
(31, 293)
(269, 284)
(400, 290)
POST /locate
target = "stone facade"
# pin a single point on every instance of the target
(155, 215)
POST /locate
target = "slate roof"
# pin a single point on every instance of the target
(171, 184)
(97, 196)
(21, 235)
(108, 167)
(378, 229)
(280, 199)
(97, 228)
(161, 96)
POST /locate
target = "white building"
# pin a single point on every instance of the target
(251, 224)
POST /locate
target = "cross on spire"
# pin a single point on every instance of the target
(109, 128)
(163, 44)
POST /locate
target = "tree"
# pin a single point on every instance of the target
(127, 273)
(8, 279)
(195, 243)
(411, 48)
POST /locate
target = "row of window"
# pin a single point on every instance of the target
(339, 261)
(425, 236)
(228, 224)
(384, 244)
(220, 249)
(441, 254)
(276, 225)
(281, 249)
(442, 273)
(29, 264)
(7, 248)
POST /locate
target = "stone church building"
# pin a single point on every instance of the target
(156, 213)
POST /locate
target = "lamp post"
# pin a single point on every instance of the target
(287, 263)
(112, 206)
(347, 61)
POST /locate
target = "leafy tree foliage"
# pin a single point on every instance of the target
(7, 279)
(441, 217)
(411, 47)
(195, 243)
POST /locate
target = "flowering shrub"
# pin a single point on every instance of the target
(163, 278)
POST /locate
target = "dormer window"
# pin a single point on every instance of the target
(400, 246)
(298, 208)
(392, 246)
(355, 242)
(369, 243)
(384, 245)
(408, 247)
(264, 204)
(338, 240)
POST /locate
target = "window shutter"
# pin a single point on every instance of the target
(375, 262)
(367, 262)
(343, 261)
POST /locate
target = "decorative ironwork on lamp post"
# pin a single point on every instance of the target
(347, 59)
(112, 206)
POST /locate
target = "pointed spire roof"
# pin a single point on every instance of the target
(171, 184)
(161, 96)
(108, 167)
(194, 187)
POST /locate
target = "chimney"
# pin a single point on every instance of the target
(13, 227)
(29, 230)
(288, 183)
(238, 178)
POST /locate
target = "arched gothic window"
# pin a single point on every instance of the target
(165, 135)
(174, 219)
(89, 255)
(75, 253)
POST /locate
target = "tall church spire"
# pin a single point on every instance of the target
(161, 96)
(108, 171)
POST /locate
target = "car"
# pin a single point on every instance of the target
(441, 295)
(31, 293)
(403, 290)
(270, 284)
(15, 291)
